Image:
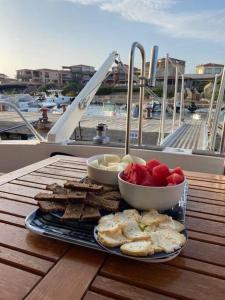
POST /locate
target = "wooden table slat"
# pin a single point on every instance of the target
(204, 237)
(29, 184)
(165, 279)
(206, 208)
(28, 169)
(20, 239)
(20, 190)
(204, 251)
(55, 176)
(207, 201)
(114, 288)
(94, 296)
(198, 266)
(206, 194)
(79, 268)
(15, 283)
(209, 184)
(207, 188)
(212, 177)
(11, 219)
(24, 261)
(41, 179)
(16, 208)
(209, 227)
(58, 172)
(18, 198)
(70, 166)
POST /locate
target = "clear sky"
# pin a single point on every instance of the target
(53, 33)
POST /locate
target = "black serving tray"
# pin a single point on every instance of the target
(83, 233)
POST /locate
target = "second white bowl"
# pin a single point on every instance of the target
(148, 197)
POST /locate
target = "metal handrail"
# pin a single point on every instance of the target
(164, 100)
(181, 118)
(212, 101)
(175, 99)
(217, 112)
(32, 129)
(222, 141)
(175, 95)
(130, 94)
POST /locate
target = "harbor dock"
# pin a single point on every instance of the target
(12, 127)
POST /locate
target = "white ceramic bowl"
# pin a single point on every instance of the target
(100, 175)
(147, 197)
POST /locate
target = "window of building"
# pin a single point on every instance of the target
(208, 71)
(218, 70)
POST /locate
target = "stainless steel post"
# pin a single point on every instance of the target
(222, 142)
(164, 103)
(153, 65)
(181, 100)
(175, 99)
(130, 94)
(217, 112)
(212, 101)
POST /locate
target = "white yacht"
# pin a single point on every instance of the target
(171, 149)
(58, 97)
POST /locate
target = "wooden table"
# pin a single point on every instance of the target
(34, 267)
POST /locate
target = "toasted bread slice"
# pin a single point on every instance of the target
(112, 239)
(111, 226)
(172, 224)
(178, 226)
(73, 211)
(134, 233)
(153, 217)
(100, 202)
(90, 213)
(138, 248)
(82, 186)
(107, 218)
(48, 206)
(128, 215)
(78, 197)
(167, 239)
(57, 189)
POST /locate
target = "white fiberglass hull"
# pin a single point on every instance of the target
(17, 154)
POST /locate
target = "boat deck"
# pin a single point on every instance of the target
(192, 134)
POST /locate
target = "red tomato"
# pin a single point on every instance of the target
(174, 179)
(178, 171)
(151, 164)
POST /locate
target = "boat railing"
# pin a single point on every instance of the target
(27, 123)
(215, 120)
(130, 94)
(210, 114)
(161, 136)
